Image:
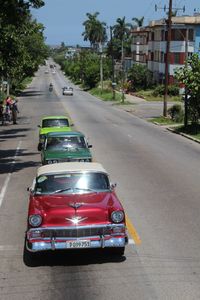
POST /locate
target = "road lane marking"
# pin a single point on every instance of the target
(132, 231)
(6, 182)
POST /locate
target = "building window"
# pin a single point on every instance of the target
(176, 58)
(191, 35)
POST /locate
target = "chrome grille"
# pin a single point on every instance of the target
(75, 232)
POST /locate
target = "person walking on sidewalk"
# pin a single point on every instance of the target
(15, 111)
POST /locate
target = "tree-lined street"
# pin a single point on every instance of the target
(158, 183)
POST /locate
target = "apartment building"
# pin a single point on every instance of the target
(149, 44)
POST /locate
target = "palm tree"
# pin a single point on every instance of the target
(121, 31)
(139, 22)
(95, 31)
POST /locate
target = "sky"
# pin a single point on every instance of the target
(63, 19)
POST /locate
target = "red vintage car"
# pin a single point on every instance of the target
(73, 205)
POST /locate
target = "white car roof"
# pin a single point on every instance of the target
(70, 167)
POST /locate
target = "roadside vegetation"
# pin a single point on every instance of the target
(22, 43)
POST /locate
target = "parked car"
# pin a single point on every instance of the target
(64, 147)
(52, 124)
(68, 90)
(74, 206)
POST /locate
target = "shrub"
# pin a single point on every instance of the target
(176, 113)
(159, 91)
(173, 90)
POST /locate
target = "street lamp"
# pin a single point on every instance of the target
(113, 64)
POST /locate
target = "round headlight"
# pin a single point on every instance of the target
(35, 220)
(54, 161)
(117, 216)
(49, 162)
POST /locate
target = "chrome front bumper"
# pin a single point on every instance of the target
(61, 243)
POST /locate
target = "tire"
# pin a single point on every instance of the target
(29, 258)
(118, 251)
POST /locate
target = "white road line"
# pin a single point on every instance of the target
(4, 188)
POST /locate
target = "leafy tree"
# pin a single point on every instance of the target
(22, 46)
(189, 75)
(140, 77)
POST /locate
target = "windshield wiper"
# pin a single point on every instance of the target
(74, 188)
(61, 190)
(84, 189)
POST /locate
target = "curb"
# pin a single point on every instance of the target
(183, 134)
(180, 133)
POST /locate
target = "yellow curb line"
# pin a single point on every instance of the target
(132, 231)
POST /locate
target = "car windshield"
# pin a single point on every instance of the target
(69, 183)
(68, 88)
(55, 123)
(66, 143)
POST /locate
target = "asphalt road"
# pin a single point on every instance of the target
(158, 178)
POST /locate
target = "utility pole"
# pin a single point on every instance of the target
(101, 66)
(113, 64)
(167, 58)
(123, 71)
(186, 92)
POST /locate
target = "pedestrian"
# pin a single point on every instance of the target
(8, 104)
(2, 113)
(15, 111)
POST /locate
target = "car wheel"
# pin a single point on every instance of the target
(39, 147)
(29, 258)
(119, 251)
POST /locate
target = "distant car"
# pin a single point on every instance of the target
(46, 71)
(54, 72)
(74, 206)
(68, 90)
(65, 147)
(52, 124)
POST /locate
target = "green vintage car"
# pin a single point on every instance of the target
(64, 147)
(52, 124)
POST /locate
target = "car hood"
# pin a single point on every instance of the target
(46, 130)
(89, 208)
(72, 153)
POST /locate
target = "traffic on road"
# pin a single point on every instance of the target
(74, 233)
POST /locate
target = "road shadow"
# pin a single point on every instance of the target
(31, 93)
(7, 131)
(70, 258)
(9, 165)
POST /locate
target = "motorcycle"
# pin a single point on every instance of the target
(50, 88)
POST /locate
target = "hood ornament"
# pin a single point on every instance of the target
(75, 205)
(76, 219)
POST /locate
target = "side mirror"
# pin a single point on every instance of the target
(39, 126)
(113, 185)
(89, 146)
(72, 124)
(29, 189)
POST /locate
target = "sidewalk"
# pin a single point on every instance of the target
(144, 109)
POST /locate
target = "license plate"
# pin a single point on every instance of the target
(79, 244)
